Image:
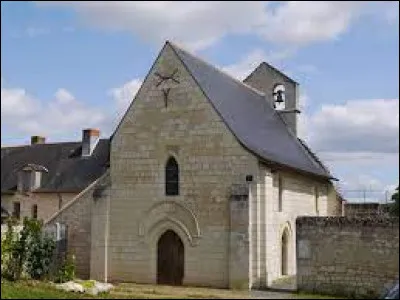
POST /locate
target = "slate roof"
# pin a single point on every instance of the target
(245, 111)
(67, 169)
(250, 117)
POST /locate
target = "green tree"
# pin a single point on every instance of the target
(395, 205)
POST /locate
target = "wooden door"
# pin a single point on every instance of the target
(170, 259)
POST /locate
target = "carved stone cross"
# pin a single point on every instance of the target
(165, 78)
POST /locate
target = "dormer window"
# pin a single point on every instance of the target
(30, 177)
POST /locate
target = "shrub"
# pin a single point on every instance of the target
(13, 253)
(40, 252)
(67, 270)
(29, 250)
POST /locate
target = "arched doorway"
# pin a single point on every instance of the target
(285, 252)
(170, 259)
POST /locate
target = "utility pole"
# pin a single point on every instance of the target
(364, 192)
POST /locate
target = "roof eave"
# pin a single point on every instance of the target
(280, 166)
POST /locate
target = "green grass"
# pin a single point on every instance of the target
(43, 290)
(87, 284)
(35, 290)
(315, 296)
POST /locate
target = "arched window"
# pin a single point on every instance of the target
(171, 177)
(280, 192)
(316, 197)
(279, 96)
(285, 252)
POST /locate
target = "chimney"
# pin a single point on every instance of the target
(90, 137)
(37, 140)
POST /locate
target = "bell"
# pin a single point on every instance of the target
(279, 96)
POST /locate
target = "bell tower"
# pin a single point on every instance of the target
(280, 91)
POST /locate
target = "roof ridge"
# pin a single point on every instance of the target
(29, 145)
(216, 68)
(273, 68)
(50, 144)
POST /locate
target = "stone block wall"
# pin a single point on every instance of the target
(239, 239)
(354, 257)
(47, 203)
(298, 199)
(210, 161)
(100, 229)
(77, 217)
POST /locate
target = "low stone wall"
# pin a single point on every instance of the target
(348, 256)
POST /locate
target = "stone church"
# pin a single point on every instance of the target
(200, 183)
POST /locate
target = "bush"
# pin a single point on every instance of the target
(67, 270)
(29, 250)
(40, 252)
(13, 251)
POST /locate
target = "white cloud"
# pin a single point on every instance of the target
(302, 120)
(248, 63)
(303, 100)
(124, 94)
(364, 187)
(356, 126)
(64, 114)
(358, 141)
(15, 103)
(304, 22)
(64, 97)
(200, 24)
(197, 24)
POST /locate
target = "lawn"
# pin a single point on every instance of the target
(35, 290)
(41, 290)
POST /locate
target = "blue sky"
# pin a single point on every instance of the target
(73, 65)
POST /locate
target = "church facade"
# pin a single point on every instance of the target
(204, 181)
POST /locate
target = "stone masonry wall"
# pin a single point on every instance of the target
(298, 199)
(354, 257)
(77, 217)
(99, 230)
(239, 238)
(47, 203)
(210, 161)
